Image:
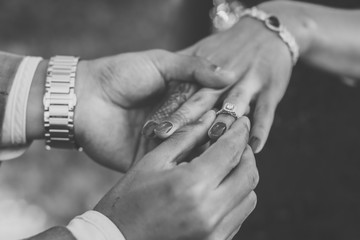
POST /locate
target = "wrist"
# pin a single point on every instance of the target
(83, 81)
(35, 109)
(58, 233)
(295, 17)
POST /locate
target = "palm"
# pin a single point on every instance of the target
(115, 139)
(117, 112)
(116, 94)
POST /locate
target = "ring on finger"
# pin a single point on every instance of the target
(228, 109)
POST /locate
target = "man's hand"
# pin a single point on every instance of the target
(115, 95)
(168, 195)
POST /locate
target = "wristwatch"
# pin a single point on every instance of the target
(59, 103)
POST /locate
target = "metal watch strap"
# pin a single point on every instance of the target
(60, 102)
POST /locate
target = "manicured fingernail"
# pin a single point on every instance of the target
(148, 129)
(164, 127)
(255, 144)
(217, 130)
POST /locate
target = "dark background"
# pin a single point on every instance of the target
(309, 169)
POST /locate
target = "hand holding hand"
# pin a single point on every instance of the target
(261, 63)
(166, 195)
(115, 95)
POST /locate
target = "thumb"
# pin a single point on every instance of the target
(179, 146)
(178, 67)
(188, 51)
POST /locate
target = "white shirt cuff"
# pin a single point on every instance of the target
(13, 139)
(93, 225)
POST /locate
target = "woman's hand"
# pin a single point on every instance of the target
(169, 195)
(115, 95)
(261, 63)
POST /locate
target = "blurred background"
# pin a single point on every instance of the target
(310, 169)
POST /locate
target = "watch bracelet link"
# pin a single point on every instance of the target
(59, 103)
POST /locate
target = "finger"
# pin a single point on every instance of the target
(263, 118)
(178, 67)
(238, 184)
(218, 160)
(190, 111)
(178, 94)
(179, 145)
(234, 233)
(237, 101)
(219, 127)
(231, 223)
(188, 51)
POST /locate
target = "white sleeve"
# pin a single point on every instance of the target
(93, 225)
(13, 139)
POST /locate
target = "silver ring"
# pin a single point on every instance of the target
(228, 109)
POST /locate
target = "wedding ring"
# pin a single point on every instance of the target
(228, 109)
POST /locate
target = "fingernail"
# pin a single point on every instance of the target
(255, 144)
(217, 130)
(164, 127)
(148, 129)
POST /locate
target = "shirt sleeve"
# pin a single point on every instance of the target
(13, 105)
(93, 225)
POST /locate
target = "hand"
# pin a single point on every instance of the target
(168, 195)
(115, 95)
(262, 65)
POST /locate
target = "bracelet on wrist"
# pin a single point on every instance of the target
(273, 23)
(226, 13)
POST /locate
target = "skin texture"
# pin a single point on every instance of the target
(210, 195)
(115, 95)
(55, 233)
(261, 63)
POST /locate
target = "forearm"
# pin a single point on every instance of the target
(329, 38)
(55, 233)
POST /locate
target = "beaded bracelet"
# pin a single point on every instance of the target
(273, 23)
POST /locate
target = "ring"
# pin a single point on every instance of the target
(228, 109)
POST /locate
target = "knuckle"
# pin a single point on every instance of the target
(253, 200)
(231, 77)
(253, 178)
(181, 116)
(239, 93)
(201, 98)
